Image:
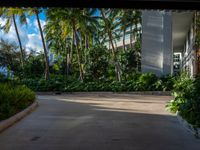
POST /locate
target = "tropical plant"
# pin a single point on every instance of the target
(9, 56)
(110, 23)
(14, 99)
(98, 62)
(36, 12)
(9, 14)
(76, 27)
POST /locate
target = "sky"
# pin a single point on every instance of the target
(29, 34)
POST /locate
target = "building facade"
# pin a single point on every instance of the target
(168, 42)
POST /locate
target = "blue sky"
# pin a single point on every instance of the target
(29, 33)
(33, 18)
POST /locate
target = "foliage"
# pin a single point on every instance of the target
(138, 82)
(190, 110)
(186, 98)
(99, 66)
(3, 78)
(34, 66)
(73, 38)
(146, 81)
(9, 56)
(182, 92)
(14, 99)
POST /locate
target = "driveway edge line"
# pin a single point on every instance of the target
(12, 120)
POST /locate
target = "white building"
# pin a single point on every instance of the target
(118, 42)
(168, 40)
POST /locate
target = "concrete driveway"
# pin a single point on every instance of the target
(99, 122)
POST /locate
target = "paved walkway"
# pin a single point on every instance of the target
(99, 122)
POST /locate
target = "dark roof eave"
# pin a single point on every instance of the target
(136, 4)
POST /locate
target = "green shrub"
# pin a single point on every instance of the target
(186, 98)
(136, 82)
(13, 99)
(190, 110)
(146, 82)
(168, 82)
(182, 92)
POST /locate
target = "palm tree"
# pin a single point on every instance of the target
(110, 24)
(79, 24)
(135, 21)
(88, 25)
(68, 23)
(10, 15)
(53, 36)
(130, 19)
(36, 11)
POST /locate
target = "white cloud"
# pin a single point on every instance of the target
(34, 42)
(29, 41)
(12, 36)
(28, 21)
(2, 21)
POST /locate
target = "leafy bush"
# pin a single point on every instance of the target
(137, 82)
(98, 55)
(182, 92)
(190, 110)
(13, 99)
(186, 99)
(3, 78)
(146, 82)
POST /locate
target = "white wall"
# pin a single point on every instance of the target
(157, 42)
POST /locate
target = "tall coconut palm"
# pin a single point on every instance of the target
(68, 22)
(87, 27)
(124, 25)
(10, 15)
(36, 12)
(110, 24)
(130, 19)
(55, 40)
(79, 25)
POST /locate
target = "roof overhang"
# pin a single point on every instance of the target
(136, 4)
(181, 22)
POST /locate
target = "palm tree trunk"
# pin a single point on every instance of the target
(86, 42)
(124, 44)
(67, 62)
(44, 47)
(19, 40)
(81, 44)
(131, 36)
(78, 55)
(83, 49)
(117, 66)
(71, 53)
